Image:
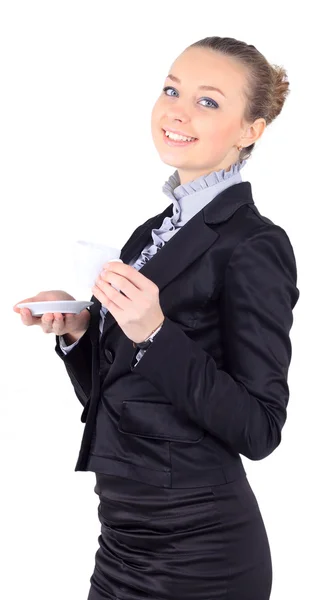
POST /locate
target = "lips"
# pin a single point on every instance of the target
(177, 143)
(179, 133)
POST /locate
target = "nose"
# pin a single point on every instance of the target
(178, 117)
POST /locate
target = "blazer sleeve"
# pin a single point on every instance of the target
(244, 405)
(78, 364)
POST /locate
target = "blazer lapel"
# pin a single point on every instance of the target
(187, 245)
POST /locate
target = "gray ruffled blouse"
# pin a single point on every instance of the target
(187, 200)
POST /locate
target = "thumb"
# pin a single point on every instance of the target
(16, 309)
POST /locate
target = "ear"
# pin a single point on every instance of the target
(253, 132)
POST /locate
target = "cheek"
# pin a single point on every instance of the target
(157, 113)
(156, 120)
(221, 135)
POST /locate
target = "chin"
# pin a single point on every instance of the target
(168, 160)
(173, 162)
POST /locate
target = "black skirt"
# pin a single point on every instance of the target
(180, 544)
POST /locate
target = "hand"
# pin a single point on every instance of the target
(136, 307)
(57, 323)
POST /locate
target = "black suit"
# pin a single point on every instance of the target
(213, 385)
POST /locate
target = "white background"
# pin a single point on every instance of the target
(78, 82)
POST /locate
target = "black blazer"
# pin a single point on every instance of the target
(213, 385)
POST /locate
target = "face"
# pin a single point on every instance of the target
(214, 117)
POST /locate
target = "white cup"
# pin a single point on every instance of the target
(88, 261)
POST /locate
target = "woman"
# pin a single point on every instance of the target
(182, 363)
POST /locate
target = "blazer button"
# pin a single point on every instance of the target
(109, 356)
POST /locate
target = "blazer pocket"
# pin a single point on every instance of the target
(157, 420)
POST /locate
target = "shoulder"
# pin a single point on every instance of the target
(264, 259)
(258, 230)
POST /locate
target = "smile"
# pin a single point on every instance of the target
(171, 142)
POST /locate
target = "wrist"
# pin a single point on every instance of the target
(80, 330)
(146, 343)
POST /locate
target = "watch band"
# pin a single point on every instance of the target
(146, 343)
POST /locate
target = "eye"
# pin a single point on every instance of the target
(213, 103)
(168, 88)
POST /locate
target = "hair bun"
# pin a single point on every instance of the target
(280, 90)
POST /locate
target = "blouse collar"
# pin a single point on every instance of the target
(174, 189)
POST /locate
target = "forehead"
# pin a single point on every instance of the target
(202, 66)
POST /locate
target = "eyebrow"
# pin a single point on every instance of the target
(200, 87)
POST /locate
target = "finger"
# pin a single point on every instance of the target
(105, 293)
(70, 320)
(58, 317)
(59, 323)
(120, 284)
(15, 307)
(128, 272)
(27, 318)
(62, 322)
(47, 322)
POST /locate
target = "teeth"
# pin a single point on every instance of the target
(176, 137)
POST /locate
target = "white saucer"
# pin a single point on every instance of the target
(52, 306)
